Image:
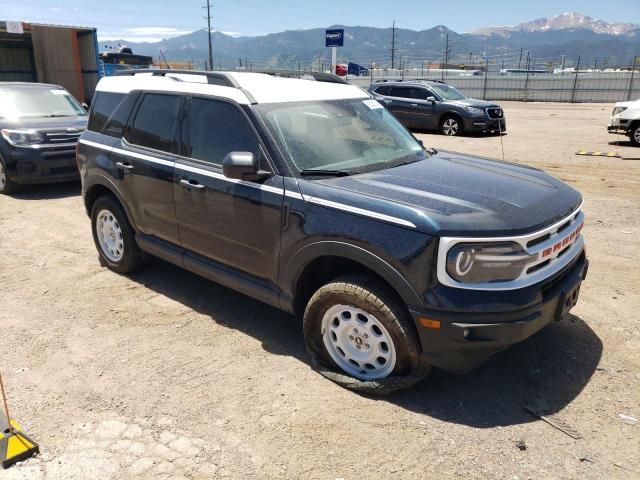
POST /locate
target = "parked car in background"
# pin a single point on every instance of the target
(39, 129)
(625, 120)
(311, 197)
(434, 105)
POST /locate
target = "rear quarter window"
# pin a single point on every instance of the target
(102, 107)
(154, 123)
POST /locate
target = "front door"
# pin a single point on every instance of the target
(235, 224)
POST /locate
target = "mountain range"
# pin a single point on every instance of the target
(547, 40)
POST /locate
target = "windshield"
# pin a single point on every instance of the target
(31, 102)
(447, 92)
(352, 136)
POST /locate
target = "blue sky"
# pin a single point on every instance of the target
(152, 20)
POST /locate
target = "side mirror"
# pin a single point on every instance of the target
(242, 166)
(85, 106)
(431, 99)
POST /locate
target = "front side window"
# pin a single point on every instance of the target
(28, 101)
(349, 135)
(447, 92)
(217, 128)
(154, 123)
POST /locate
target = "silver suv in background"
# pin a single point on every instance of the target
(625, 120)
(434, 105)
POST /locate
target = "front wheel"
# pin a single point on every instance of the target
(360, 336)
(114, 237)
(451, 126)
(634, 135)
(6, 184)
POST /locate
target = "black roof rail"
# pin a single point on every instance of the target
(317, 76)
(213, 78)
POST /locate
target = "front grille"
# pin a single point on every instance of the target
(495, 112)
(53, 137)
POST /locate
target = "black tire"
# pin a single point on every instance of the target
(131, 255)
(634, 134)
(451, 125)
(365, 293)
(7, 186)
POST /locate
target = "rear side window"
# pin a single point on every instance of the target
(403, 92)
(154, 123)
(102, 107)
(384, 90)
(216, 129)
(118, 121)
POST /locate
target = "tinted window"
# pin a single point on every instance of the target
(419, 93)
(102, 107)
(154, 122)
(384, 90)
(403, 92)
(118, 120)
(216, 129)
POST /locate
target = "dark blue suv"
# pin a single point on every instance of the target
(311, 197)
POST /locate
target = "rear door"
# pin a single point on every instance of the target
(232, 223)
(145, 162)
(400, 104)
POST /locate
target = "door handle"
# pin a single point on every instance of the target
(414, 105)
(124, 166)
(191, 184)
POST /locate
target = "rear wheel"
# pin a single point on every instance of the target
(451, 126)
(634, 134)
(113, 235)
(6, 184)
(360, 336)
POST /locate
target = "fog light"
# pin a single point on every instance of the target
(465, 333)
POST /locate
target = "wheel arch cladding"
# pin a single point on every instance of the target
(100, 188)
(318, 263)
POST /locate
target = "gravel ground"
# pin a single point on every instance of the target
(166, 375)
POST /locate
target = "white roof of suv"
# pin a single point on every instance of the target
(251, 87)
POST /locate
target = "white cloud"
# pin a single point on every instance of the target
(143, 34)
(170, 31)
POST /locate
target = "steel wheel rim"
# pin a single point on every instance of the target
(450, 126)
(358, 343)
(636, 135)
(110, 236)
(3, 178)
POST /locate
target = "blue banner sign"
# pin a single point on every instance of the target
(334, 38)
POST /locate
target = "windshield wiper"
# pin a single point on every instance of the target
(317, 171)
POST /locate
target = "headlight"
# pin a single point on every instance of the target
(618, 110)
(21, 138)
(483, 263)
(474, 110)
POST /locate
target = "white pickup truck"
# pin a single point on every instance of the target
(625, 120)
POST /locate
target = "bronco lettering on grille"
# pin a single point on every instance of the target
(559, 246)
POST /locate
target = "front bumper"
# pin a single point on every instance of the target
(449, 349)
(485, 124)
(41, 165)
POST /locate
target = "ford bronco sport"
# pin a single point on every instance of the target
(311, 197)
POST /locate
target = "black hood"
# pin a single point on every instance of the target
(454, 194)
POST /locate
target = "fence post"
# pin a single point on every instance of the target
(526, 85)
(635, 59)
(575, 81)
(484, 88)
(371, 73)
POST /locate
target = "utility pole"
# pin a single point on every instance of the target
(520, 60)
(208, 7)
(446, 56)
(393, 45)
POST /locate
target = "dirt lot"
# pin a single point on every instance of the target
(166, 375)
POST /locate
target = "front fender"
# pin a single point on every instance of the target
(310, 252)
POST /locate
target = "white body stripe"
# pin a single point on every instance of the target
(267, 188)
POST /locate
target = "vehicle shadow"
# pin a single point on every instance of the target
(555, 364)
(48, 191)
(279, 332)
